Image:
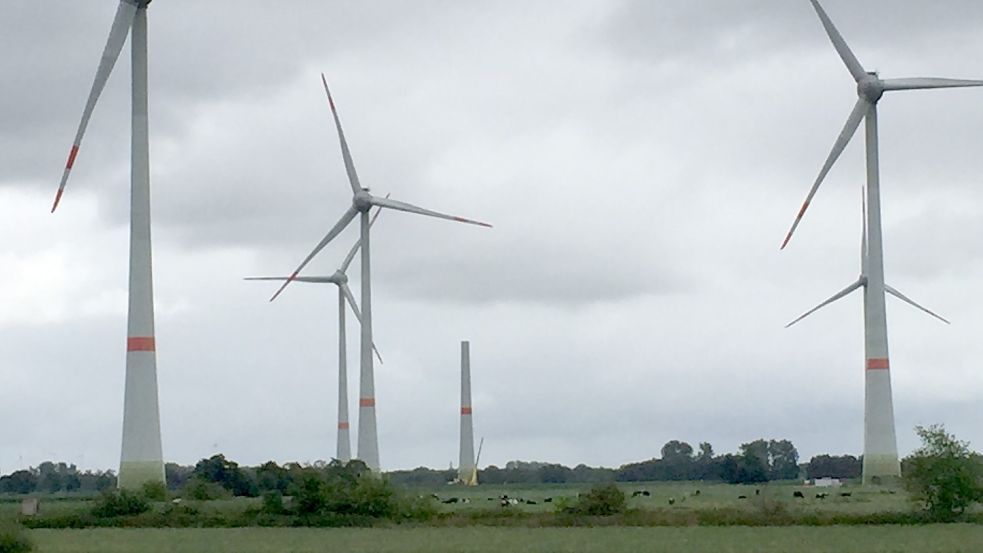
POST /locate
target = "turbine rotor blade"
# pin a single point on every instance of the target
(409, 208)
(923, 83)
(849, 129)
(317, 279)
(860, 282)
(842, 49)
(125, 13)
(911, 302)
(358, 244)
(345, 153)
(358, 316)
(335, 230)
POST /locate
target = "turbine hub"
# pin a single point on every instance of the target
(362, 200)
(871, 88)
(340, 277)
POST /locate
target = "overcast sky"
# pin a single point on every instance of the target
(640, 160)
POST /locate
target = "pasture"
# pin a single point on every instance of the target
(465, 529)
(950, 538)
(683, 495)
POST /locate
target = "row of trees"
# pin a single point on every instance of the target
(757, 461)
(51, 477)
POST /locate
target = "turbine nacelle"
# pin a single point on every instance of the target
(871, 87)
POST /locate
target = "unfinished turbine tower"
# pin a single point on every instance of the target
(343, 450)
(467, 472)
(141, 460)
(362, 202)
(880, 442)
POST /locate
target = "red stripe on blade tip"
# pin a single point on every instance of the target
(58, 194)
(366, 402)
(342, 426)
(465, 410)
(71, 156)
(802, 210)
(140, 343)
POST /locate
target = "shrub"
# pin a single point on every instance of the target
(602, 500)
(943, 474)
(347, 494)
(200, 490)
(120, 503)
(273, 503)
(154, 491)
(14, 540)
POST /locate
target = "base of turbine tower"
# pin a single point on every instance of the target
(881, 470)
(134, 474)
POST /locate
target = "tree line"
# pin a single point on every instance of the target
(755, 462)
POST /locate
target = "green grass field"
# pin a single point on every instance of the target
(683, 494)
(521, 537)
(871, 539)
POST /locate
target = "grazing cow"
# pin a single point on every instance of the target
(846, 494)
(823, 495)
(530, 502)
(742, 497)
(757, 492)
(646, 493)
(672, 500)
(548, 500)
(450, 500)
(636, 493)
(798, 494)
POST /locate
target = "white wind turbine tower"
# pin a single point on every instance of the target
(467, 472)
(362, 202)
(880, 442)
(141, 460)
(343, 450)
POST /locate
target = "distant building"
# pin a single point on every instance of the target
(826, 482)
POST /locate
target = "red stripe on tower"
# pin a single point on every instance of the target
(366, 402)
(465, 410)
(878, 363)
(71, 156)
(140, 343)
(342, 426)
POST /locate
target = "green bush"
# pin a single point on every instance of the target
(154, 491)
(601, 500)
(273, 503)
(120, 503)
(200, 490)
(13, 539)
(347, 494)
(943, 474)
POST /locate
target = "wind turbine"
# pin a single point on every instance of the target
(141, 460)
(880, 442)
(362, 202)
(467, 472)
(340, 279)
